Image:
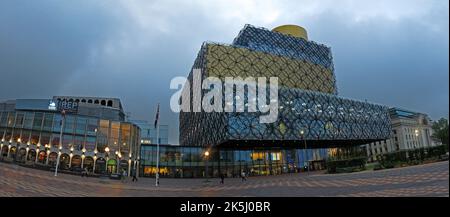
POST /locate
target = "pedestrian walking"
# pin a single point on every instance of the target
(222, 178)
(86, 172)
(243, 176)
(133, 173)
(124, 175)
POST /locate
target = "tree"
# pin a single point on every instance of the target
(440, 129)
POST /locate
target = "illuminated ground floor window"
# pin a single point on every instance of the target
(190, 162)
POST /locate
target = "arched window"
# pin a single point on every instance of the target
(90, 101)
(110, 103)
(83, 101)
(70, 100)
(96, 101)
(103, 102)
(77, 100)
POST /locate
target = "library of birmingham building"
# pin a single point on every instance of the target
(313, 121)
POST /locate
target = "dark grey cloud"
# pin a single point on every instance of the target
(42, 42)
(132, 49)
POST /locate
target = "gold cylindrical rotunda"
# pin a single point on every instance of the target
(292, 30)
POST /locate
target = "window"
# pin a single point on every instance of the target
(25, 136)
(45, 138)
(34, 137)
(102, 138)
(81, 126)
(103, 102)
(37, 123)
(3, 119)
(110, 103)
(48, 119)
(89, 101)
(69, 124)
(11, 117)
(19, 119)
(55, 140)
(57, 120)
(114, 137)
(67, 141)
(78, 143)
(92, 126)
(125, 130)
(90, 143)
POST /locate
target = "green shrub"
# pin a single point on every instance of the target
(411, 157)
(346, 165)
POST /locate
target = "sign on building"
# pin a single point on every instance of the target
(68, 106)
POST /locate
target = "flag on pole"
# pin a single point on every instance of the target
(157, 116)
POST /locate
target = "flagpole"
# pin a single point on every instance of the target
(157, 148)
(157, 154)
(60, 142)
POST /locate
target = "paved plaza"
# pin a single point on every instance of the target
(423, 180)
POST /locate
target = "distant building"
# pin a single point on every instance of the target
(95, 134)
(410, 130)
(148, 132)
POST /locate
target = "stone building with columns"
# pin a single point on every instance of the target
(410, 130)
(86, 132)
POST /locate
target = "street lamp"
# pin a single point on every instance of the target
(48, 155)
(302, 132)
(417, 137)
(107, 158)
(1, 148)
(27, 149)
(37, 152)
(17, 148)
(206, 164)
(47, 150)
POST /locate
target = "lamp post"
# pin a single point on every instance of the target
(47, 150)
(37, 152)
(129, 164)
(302, 132)
(119, 158)
(107, 157)
(17, 149)
(117, 161)
(95, 160)
(1, 148)
(417, 136)
(27, 151)
(82, 157)
(58, 158)
(9, 149)
(206, 164)
(63, 121)
(70, 156)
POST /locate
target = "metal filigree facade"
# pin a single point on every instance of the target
(307, 95)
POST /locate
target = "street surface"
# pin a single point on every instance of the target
(423, 180)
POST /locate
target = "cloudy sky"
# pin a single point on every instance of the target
(385, 51)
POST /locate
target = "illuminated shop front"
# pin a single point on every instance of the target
(191, 162)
